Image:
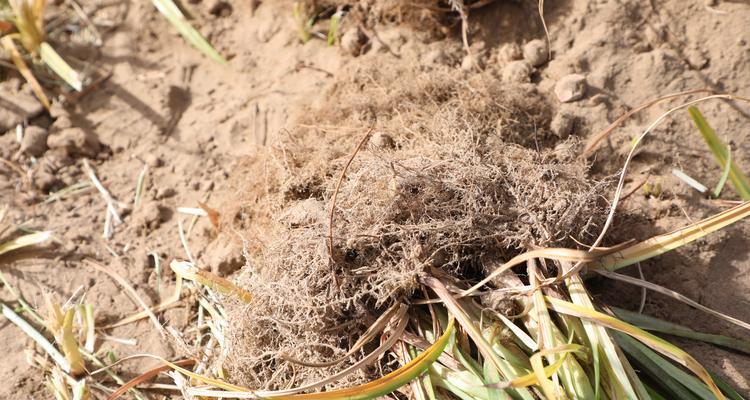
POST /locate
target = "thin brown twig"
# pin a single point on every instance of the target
(146, 376)
(14, 167)
(674, 295)
(594, 141)
(129, 289)
(72, 98)
(546, 30)
(338, 187)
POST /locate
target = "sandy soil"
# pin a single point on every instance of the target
(190, 121)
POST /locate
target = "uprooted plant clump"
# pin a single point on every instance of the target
(454, 168)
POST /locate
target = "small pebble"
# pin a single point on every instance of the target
(535, 52)
(75, 141)
(34, 141)
(570, 88)
(62, 122)
(57, 110)
(149, 217)
(562, 124)
(509, 52)
(224, 256)
(165, 192)
(382, 141)
(696, 58)
(517, 72)
(46, 181)
(352, 42)
(153, 161)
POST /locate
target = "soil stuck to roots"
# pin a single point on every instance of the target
(453, 167)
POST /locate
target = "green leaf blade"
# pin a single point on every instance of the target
(719, 149)
(173, 14)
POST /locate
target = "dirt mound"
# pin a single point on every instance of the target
(454, 167)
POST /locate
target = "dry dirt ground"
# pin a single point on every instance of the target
(190, 120)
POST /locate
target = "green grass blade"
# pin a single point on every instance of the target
(603, 351)
(467, 322)
(37, 337)
(726, 388)
(173, 14)
(660, 370)
(664, 372)
(654, 342)
(333, 28)
(720, 152)
(463, 384)
(653, 324)
(724, 175)
(425, 386)
(653, 393)
(62, 69)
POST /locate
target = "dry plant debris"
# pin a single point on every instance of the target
(455, 168)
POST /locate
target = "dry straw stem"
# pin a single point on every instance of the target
(25, 71)
(25, 241)
(172, 301)
(331, 213)
(146, 376)
(30, 331)
(670, 293)
(15, 168)
(594, 141)
(131, 292)
(188, 271)
(112, 214)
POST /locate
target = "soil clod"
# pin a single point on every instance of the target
(570, 88)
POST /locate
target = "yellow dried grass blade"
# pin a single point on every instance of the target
(657, 344)
(29, 20)
(188, 271)
(11, 48)
(70, 344)
(532, 378)
(173, 14)
(25, 241)
(553, 253)
(669, 241)
(62, 69)
(540, 372)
